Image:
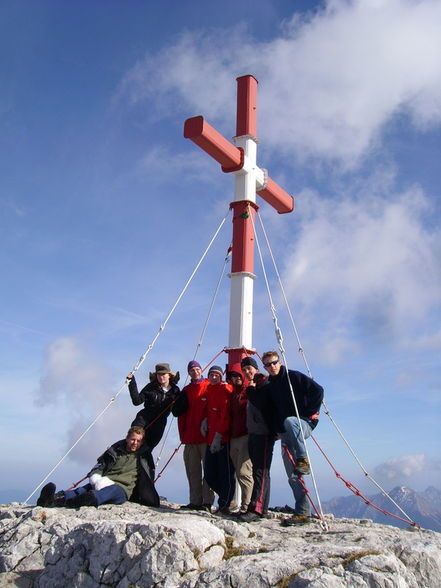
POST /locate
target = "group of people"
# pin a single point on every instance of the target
(228, 429)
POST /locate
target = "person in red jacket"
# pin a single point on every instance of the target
(190, 408)
(239, 437)
(218, 469)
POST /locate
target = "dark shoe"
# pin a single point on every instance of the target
(191, 506)
(85, 499)
(47, 494)
(285, 509)
(206, 507)
(302, 467)
(250, 517)
(224, 511)
(60, 498)
(296, 519)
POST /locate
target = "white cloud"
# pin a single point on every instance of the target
(367, 261)
(401, 467)
(329, 84)
(74, 379)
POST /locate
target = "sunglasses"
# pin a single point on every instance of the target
(276, 361)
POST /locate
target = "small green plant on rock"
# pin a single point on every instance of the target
(230, 550)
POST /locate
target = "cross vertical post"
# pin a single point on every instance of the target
(240, 158)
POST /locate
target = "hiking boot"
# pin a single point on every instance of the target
(47, 494)
(250, 517)
(296, 519)
(302, 467)
(59, 498)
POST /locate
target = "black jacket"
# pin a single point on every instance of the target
(157, 407)
(308, 395)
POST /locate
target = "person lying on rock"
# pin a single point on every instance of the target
(111, 481)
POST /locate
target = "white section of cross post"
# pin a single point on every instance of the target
(241, 310)
(242, 282)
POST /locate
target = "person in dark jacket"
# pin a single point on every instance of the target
(158, 397)
(294, 422)
(111, 481)
(190, 408)
(260, 441)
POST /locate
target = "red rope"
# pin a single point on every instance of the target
(357, 492)
(168, 461)
(75, 484)
(302, 482)
(214, 359)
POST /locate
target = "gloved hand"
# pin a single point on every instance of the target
(93, 479)
(216, 444)
(204, 427)
(103, 482)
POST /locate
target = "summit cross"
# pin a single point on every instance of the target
(240, 159)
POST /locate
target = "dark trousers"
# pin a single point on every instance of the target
(219, 474)
(153, 430)
(260, 448)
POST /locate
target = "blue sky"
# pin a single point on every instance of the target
(105, 210)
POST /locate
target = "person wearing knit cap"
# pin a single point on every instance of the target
(219, 471)
(190, 409)
(194, 364)
(260, 441)
(249, 361)
(239, 439)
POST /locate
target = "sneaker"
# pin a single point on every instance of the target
(191, 506)
(250, 517)
(302, 466)
(47, 494)
(296, 519)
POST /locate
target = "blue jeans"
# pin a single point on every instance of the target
(292, 437)
(113, 494)
(301, 501)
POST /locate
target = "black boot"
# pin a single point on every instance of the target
(59, 498)
(85, 499)
(47, 494)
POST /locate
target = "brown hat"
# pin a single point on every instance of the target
(162, 368)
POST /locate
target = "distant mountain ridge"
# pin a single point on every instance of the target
(422, 507)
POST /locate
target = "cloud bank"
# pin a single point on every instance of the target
(73, 379)
(369, 259)
(331, 82)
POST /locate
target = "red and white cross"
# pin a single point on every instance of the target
(240, 159)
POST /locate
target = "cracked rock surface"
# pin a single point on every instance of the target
(131, 545)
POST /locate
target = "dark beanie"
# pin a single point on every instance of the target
(249, 361)
(193, 364)
(216, 368)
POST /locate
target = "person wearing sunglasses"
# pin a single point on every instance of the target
(290, 418)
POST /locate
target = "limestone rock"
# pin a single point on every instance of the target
(131, 545)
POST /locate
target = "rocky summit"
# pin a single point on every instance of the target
(131, 545)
